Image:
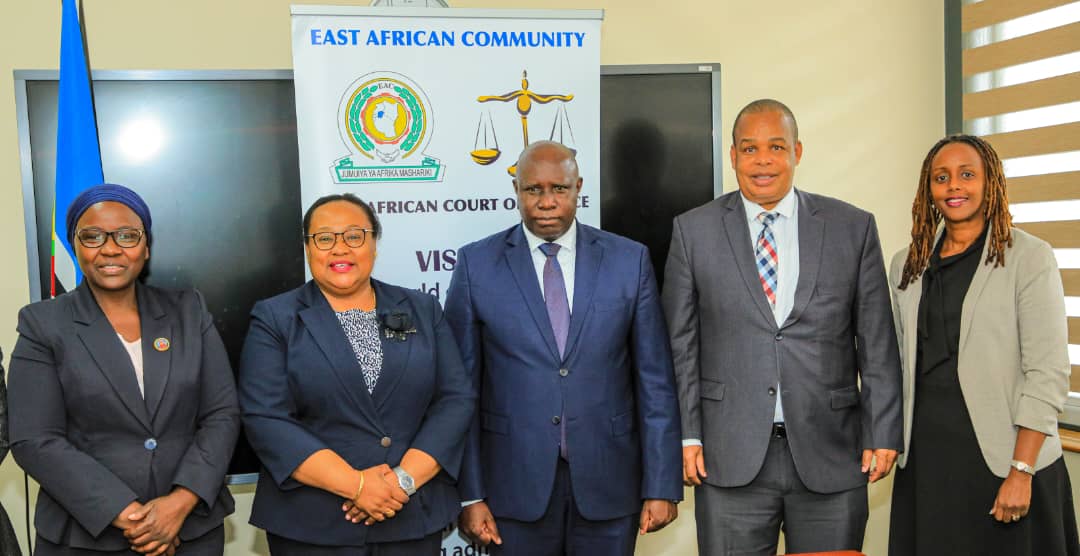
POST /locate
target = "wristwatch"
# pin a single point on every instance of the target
(405, 481)
(1021, 466)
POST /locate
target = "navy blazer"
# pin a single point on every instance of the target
(615, 386)
(302, 390)
(82, 430)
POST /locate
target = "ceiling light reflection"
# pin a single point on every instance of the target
(141, 139)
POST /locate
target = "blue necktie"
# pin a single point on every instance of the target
(558, 309)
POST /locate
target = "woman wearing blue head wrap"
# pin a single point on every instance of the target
(121, 399)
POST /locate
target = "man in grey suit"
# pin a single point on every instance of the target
(785, 353)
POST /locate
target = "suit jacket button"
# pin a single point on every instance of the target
(150, 444)
(772, 391)
(385, 442)
(779, 336)
(556, 420)
(564, 372)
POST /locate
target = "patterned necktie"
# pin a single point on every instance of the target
(558, 307)
(765, 254)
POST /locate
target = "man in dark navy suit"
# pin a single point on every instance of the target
(576, 445)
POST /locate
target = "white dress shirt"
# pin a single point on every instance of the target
(567, 257)
(785, 230)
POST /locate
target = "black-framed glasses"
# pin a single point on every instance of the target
(96, 237)
(325, 241)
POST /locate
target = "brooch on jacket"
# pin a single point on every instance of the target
(397, 325)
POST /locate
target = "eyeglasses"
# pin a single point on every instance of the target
(96, 237)
(325, 241)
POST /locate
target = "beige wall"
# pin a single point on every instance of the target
(865, 80)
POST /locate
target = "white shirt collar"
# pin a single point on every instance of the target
(785, 208)
(566, 241)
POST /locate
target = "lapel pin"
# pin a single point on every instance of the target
(161, 344)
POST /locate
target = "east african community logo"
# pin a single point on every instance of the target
(385, 121)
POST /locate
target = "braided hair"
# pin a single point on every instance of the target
(925, 217)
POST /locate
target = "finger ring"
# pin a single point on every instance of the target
(390, 513)
(1016, 517)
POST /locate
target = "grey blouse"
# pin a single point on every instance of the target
(362, 330)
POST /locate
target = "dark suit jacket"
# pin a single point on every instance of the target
(302, 390)
(614, 386)
(9, 543)
(81, 429)
(729, 353)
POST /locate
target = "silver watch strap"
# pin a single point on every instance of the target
(405, 480)
(1022, 466)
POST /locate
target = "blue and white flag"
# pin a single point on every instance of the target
(78, 155)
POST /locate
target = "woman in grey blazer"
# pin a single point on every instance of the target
(122, 403)
(980, 317)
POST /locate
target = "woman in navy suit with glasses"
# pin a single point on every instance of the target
(122, 404)
(356, 401)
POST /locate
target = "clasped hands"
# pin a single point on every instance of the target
(378, 498)
(153, 528)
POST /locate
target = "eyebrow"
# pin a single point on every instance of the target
(331, 228)
(747, 139)
(961, 166)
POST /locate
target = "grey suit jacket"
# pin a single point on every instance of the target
(81, 429)
(729, 353)
(1013, 361)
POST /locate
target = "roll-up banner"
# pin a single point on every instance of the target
(423, 111)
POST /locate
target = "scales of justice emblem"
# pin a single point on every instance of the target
(486, 145)
(385, 120)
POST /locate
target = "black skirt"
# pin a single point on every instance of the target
(942, 498)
